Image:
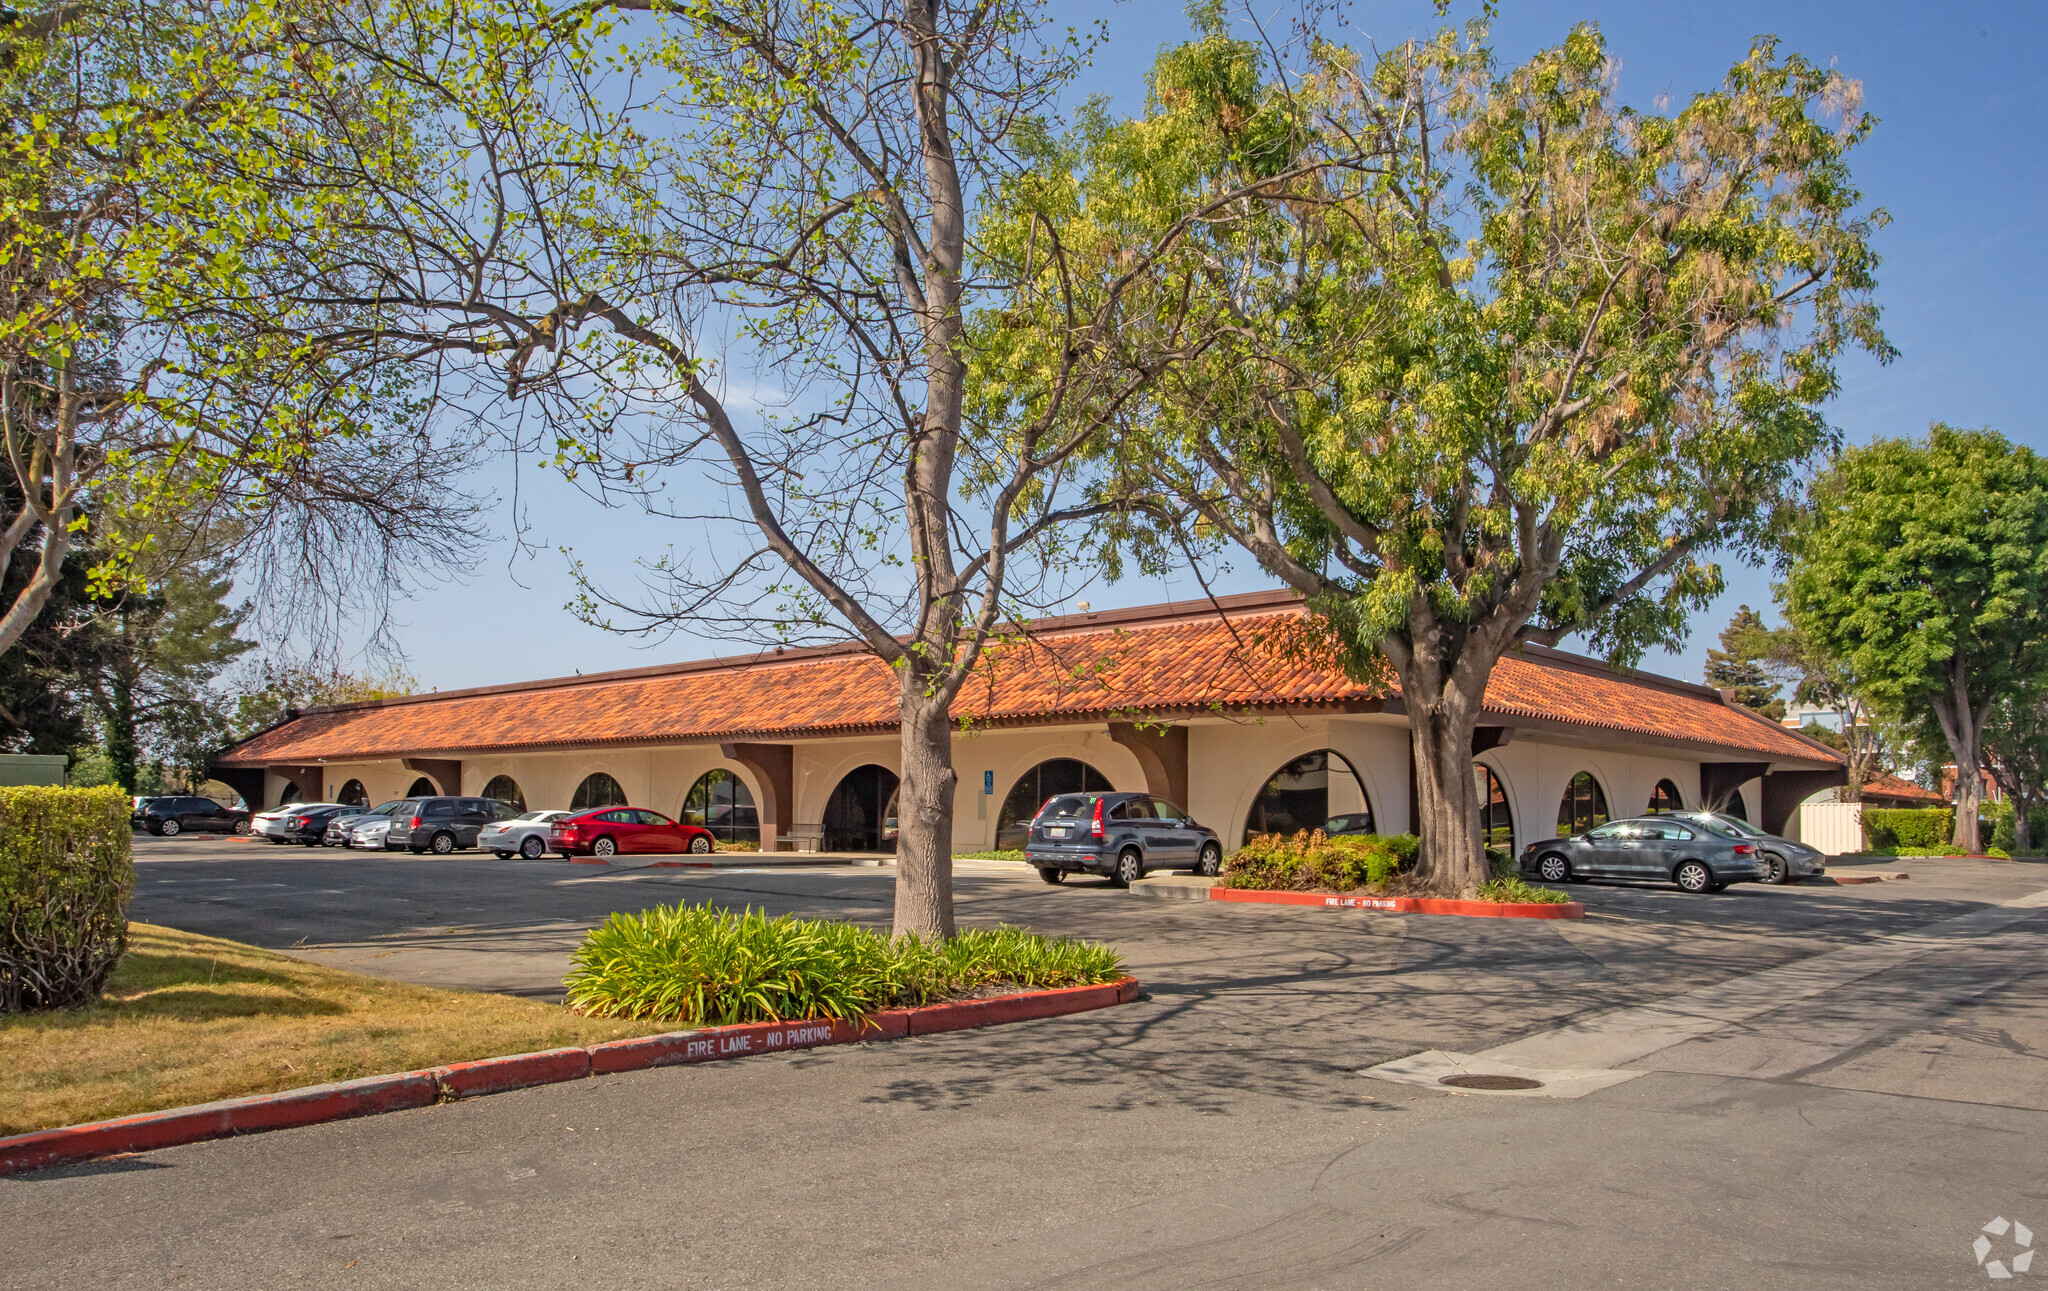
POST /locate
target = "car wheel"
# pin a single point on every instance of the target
(309, 842)
(171, 829)
(1554, 869)
(1693, 876)
(1776, 871)
(1052, 874)
(442, 843)
(1130, 867)
(533, 849)
(503, 856)
(1211, 861)
(700, 845)
(242, 828)
(604, 847)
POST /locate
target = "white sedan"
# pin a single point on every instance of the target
(527, 835)
(271, 824)
(369, 832)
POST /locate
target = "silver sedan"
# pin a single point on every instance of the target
(526, 835)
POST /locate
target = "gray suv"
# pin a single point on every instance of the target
(1698, 851)
(1121, 835)
(441, 825)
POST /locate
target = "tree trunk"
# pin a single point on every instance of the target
(1442, 713)
(2022, 835)
(1963, 728)
(121, 747)
(924, 813)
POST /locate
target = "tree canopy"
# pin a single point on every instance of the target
(1922, 564)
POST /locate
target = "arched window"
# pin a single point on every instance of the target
(720, 802)
(1583, 806)
(1496, 819)
(290, 794)
(505, 789)
(422, 788)
(597, 790)
(1736, 806)
(1048, 779)
(353, 795)
(1308, 793)
(860, 816)
(1665, 798)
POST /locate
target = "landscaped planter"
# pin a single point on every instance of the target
(373, 1094)
(1405, 905)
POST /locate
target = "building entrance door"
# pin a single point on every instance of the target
(861, 814)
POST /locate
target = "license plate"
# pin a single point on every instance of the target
(1061, 832)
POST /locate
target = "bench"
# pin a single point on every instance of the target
(801, 837)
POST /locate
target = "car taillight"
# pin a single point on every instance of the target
(300, 822)
(1095, 826)
(414, 823)
(1744, 849)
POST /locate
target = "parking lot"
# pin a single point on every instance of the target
(1217, 1133)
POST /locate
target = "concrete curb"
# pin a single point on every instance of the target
(1405, 905)
(291, 1108)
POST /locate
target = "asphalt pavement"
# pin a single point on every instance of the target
(1852, 1086)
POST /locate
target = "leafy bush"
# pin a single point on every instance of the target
(701, 966)
(999, 854)
(1313, 860)
(1512, 887)
(738, 845)
(65, 879)
(1908, 826)
(2002, 832)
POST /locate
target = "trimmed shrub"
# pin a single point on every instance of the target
(1313, 860)
(702, 966)
(1908, 826)
(65, 879)
(2000, 827)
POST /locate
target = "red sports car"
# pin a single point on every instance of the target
(625, 831)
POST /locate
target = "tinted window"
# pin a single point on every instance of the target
(1068, 807)
(1619, 829)
(653, 818)
(440, 807)
(1167, 811)
(405, 807)
(616, 817)
(1130, 809)
(1676, 833)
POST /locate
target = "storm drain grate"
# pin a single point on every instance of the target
(1462, 1081)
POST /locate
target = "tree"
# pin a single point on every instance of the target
(629, 220)
(1739, 667)
(2016, 754)
(277, 689)
(1513, 363)
(1923, 565)
(154, 354)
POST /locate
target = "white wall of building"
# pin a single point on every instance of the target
(1536, 774)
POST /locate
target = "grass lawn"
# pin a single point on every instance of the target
(188, 1019)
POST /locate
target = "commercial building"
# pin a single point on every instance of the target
(1193, 701)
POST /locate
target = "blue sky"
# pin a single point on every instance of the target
(1956, 160)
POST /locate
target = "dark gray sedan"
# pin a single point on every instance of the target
(1697, 851)
(1121, 835)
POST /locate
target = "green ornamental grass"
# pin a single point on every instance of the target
(704, 966)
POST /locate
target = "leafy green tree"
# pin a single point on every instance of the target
(274, 690)
(1739, 666)
(2016, 754)
(1511, 363)
(1923, 565)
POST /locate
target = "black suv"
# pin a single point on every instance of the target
(441, 825)
(1121, 835)
(172, 816)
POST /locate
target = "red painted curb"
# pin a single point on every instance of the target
(518, 1071)
(318, 1103)
(962, 1015)
(1406, 905)
(150, 1130)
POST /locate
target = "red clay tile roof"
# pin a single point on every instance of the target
(1891, 786)
(1068, 670)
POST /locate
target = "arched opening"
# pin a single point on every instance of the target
(1583, 806)
(505, 789)
(597, 790)
(1048, 779)
(353, 795)
(1496, 818)
(290, 794)
(1665, 798)
(422, 788)
(860, 816)
(721, 803)
(1736, 807)
(1310, 793)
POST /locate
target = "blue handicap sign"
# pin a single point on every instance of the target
(988, 782)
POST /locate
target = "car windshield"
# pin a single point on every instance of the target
(1066, 808)
(538, 815)
(383, 809)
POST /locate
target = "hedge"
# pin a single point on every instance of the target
(1312, 860)
(65, 879)
(1908, 826)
